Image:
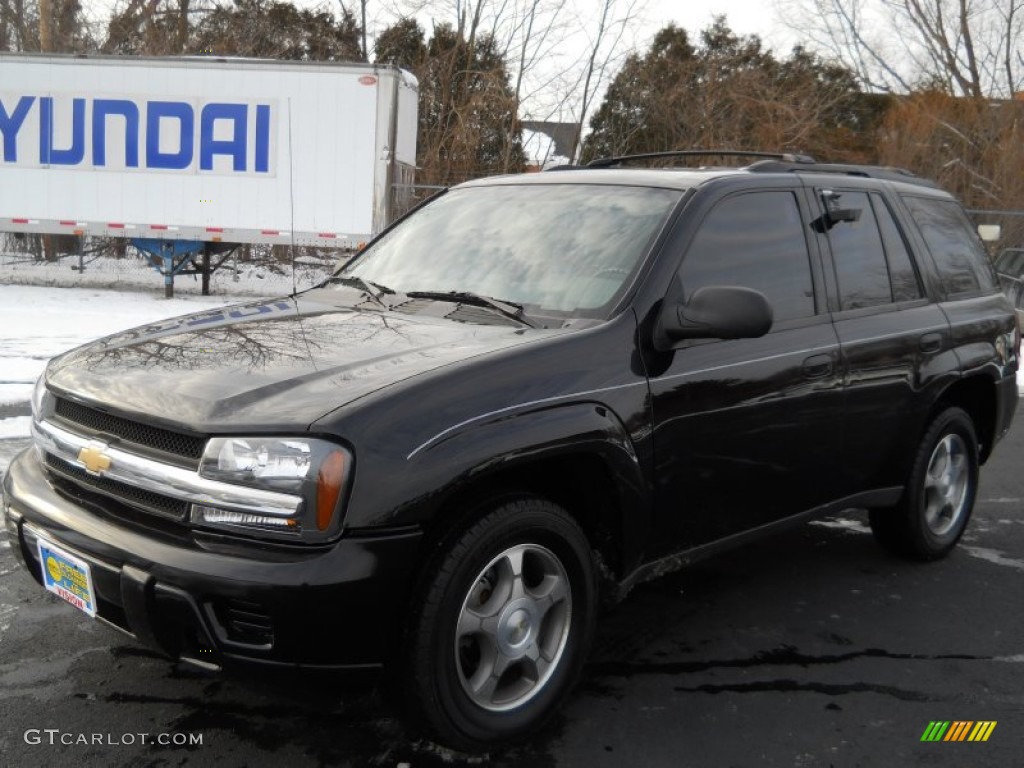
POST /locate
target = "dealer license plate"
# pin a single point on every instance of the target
(67, 576)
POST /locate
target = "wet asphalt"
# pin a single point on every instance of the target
(812, 648)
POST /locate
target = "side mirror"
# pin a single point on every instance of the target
(833, 213)
(714, 312)
(837, 215)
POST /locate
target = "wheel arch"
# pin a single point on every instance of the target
(579, 482)
(977, 395)
(578, 456)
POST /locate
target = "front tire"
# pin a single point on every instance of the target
(502, 626)
(939, 498)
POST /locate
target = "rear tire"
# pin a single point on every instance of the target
(939, 497)
(501, 626)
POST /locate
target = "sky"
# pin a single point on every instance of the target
(542, 99)
(745, 16)
(750, 17)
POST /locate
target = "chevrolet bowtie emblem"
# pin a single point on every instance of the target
(94, 459)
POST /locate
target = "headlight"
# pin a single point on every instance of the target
(41, 399)
(314, 470)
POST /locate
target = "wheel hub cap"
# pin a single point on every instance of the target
(516, 627)
(946, 484)
(513, 628)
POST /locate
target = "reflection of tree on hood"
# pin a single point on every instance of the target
(226, 338)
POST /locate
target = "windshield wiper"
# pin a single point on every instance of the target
(373, 290)
(507, 308)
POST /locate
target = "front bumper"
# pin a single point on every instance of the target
(212, 602)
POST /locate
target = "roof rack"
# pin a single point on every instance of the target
(608, 162)
(771, 162)
(888, 173)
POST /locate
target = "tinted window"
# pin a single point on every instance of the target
(954, 246)
(755, 240)
(858, 256)
(905, 284)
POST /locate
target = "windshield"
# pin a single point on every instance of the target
(557, 249)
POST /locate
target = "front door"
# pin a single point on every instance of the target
(747, 431)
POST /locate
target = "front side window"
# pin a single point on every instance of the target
(754, 240)
(555, 249)
(953, 244)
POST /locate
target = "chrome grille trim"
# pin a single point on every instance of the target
(89, 419)
(141, 499)
(154, 476)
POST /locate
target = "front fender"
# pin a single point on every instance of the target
(473, 454)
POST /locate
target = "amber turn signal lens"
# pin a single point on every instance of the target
(328, 488)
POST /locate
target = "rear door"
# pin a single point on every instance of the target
(890, 334)
(982, 331)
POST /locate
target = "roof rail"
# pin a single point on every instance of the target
(846, 169)
(608, 162)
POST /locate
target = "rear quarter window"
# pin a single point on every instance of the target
(953, 244)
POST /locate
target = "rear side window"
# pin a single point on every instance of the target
(905, 284)
(755, 240)
(955, 248)
(859, 257)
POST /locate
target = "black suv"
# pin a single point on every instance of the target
(531, 392)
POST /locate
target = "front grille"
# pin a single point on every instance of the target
(154, 438)
(139, 498)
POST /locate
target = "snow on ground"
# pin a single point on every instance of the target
(37, 323)
(11, 394)
(235, 278)
(16, 426)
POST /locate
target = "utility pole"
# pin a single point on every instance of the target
(46, 26)
(366, 53)
(46, 46)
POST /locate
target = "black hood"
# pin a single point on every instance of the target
(276, 365)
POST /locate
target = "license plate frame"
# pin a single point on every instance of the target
(67, 576)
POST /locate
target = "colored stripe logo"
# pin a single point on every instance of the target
(958, 730)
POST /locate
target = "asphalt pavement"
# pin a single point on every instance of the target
(813, 648)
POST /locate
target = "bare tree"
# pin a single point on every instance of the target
(559, 53)
(965, 47)
(603, 52)
(18, 25)
(972, 147)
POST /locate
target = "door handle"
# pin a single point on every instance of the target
(817, 366)
(931, 342)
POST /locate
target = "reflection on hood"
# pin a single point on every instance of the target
(287, 361)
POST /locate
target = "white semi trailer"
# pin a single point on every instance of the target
(203, 149)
